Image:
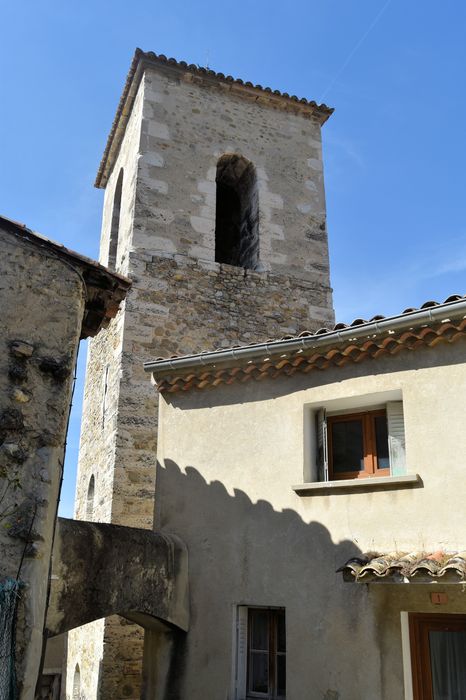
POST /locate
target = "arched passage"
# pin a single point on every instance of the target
(100, 569)
(237, 212)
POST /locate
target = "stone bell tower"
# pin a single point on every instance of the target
(215, 208)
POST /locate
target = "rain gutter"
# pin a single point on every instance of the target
(264, 351)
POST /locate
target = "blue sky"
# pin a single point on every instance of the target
(394, 150)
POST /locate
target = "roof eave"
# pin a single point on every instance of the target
(105, 289)
(143, 59)
(332, 339)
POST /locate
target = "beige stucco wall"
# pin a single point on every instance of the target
(228, 458)
(42, 306)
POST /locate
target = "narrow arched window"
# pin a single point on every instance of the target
(115, 227)
(77, 683)
(90, 499)
(104, 400)
(237, 212)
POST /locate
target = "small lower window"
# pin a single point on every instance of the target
(261, 671)
(358, 445)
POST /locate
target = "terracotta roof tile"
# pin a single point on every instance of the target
(338, 352)
(352, 353)
(337, 327)
(409, 567)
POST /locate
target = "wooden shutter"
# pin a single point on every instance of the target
(241, 652)
(396, 437)
(321, 445)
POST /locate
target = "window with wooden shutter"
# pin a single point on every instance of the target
(362, 444)
(358, 445)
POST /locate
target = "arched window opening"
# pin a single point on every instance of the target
(90, 499)
(115, 228)
(77, 683)
(237, 212)
(104, 400)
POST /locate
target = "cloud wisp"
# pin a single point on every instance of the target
(355, 48)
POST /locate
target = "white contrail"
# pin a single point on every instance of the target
(354, 49)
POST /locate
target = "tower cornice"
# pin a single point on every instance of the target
(201, 76)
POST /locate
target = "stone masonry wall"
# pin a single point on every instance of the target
(100, 423)
(176, 306)
(42, 305)
(183, 301)
(186, 128)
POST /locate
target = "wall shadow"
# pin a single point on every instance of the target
(246, 552)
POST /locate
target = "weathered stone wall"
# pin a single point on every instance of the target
(186, 128)
(182, 300)
(42, 305)
(97, 449)
(90, 561)
(100, 421)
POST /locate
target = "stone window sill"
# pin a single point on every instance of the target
(375, 483)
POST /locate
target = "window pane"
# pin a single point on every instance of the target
(347, 446)
(259, 672)
(281, 635)
(448, 663)
(281, 675)
(259, 620)
(381, 442)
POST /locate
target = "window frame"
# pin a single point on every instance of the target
(272, 652)
(371, 468)
(241, 661)
(420, 624)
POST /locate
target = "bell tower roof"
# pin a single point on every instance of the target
(200, 76)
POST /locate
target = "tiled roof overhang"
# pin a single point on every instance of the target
(415, 567)
(191, 73)
(363, 340)
(105, 290)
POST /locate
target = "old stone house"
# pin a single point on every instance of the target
(317, 482)
(50, 298)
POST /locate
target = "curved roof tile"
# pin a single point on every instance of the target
(410, 566)
(342, 326)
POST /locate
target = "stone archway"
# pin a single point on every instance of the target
(101, 570)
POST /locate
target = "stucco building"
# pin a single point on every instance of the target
(317, 482)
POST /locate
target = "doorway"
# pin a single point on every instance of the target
(438, 656)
